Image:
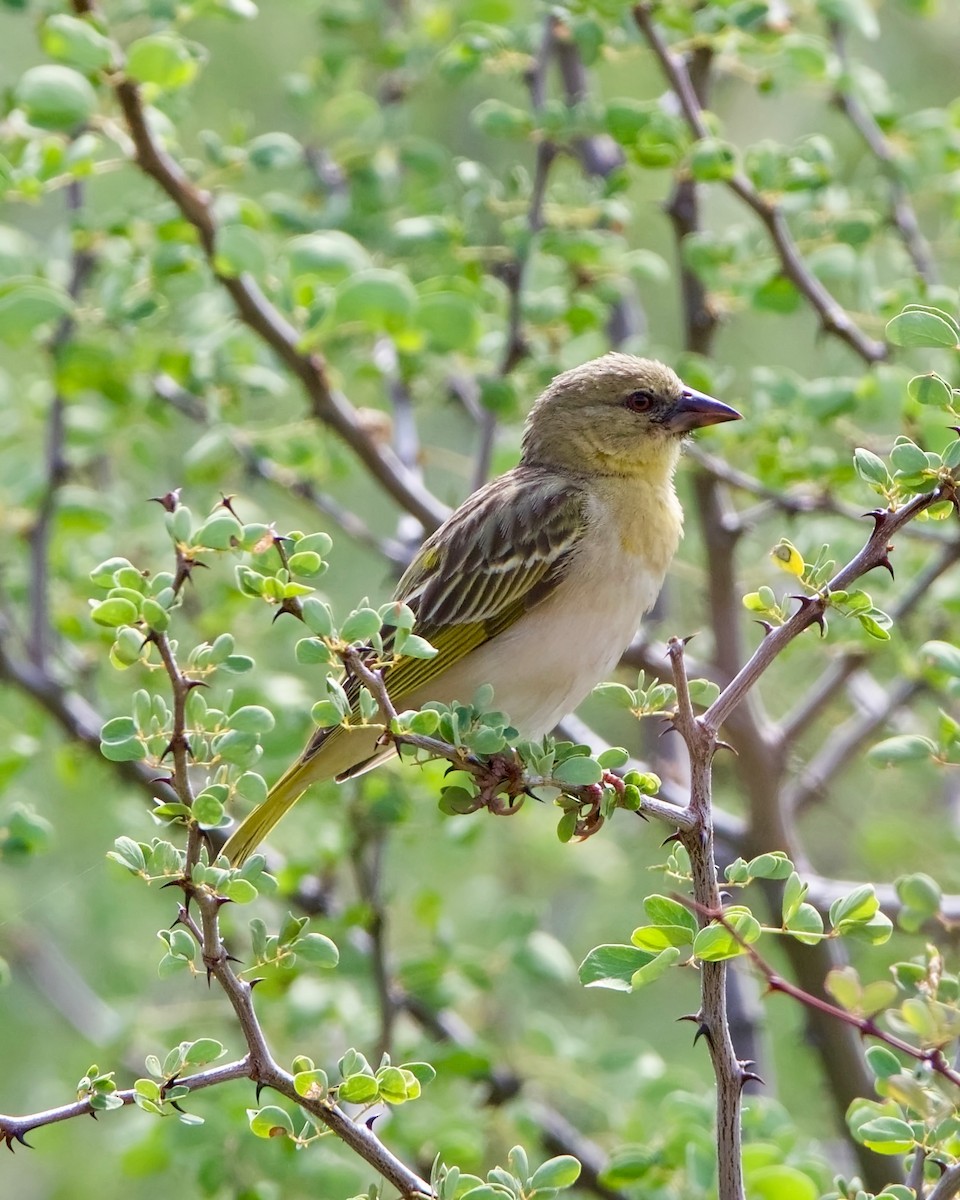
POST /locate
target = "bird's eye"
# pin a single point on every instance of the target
(639, 401)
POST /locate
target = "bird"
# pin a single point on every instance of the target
(538, 582)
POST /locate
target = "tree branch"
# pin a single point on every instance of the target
(833, 317)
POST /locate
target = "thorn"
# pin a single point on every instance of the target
(232, 958)
(766, 626)
(748, 1076)
(703, 1031)
(190, 684)
(370, 1120)
(172, 883)
(252, 983)
(260, 1087)
(209, 977)
(887, 564)
(695, 1017)
(879, 516)
(221, 900)
(688, 639)
(805, 602)
(721, 745)
(227, 503)
(175, 1104)
(169, 501)
(674, 837)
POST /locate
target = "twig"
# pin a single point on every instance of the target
(712, 1017)
(833, 318)
(15, 1129)
(903, 214)
(512, 273)
(78, 719)
(55, 459)
(265, 468)
(842, 744)
(866, 1026)
(329, 406)
(811, 705)
(366, 854)
(874, 554)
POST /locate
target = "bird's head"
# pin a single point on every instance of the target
(617, 415)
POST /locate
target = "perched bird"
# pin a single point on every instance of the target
(537, 583)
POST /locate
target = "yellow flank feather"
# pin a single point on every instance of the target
(537, 583)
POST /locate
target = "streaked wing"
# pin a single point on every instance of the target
(502, 552)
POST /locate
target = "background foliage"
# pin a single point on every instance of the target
(422, 212)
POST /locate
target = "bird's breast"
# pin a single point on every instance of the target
(543, 665)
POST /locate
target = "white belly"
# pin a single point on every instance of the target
(545, 664)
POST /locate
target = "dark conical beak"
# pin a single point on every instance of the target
(694, 409)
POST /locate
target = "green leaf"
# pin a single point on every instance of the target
(28, 305)
(578, 771)
(715, 943)
(806, 925)
(331, 255)
(780, 1182)
(658, 937)
(163, 60)
(277, 151)
(651, 971)
(252, 718)
(55, 97)
(417, 647)
(612, 967)
(317, 617)
(359, 1089)
(240, 249)
(76, 42)
(361, 625)
(921, 329)
(312, 651)
(904, 748)
(930, 389)
(871, 468)
(616, 693)
(202, 1051)
(712, 159)
(906, 456)
(449, 321)
(887, 1135)
(129, 854)
(560, 1172)
(380, 298)
(919, 892)
(222, 531)
(662, 910)
(943, 656)
(883, 1062)
(317, 949)
(774, 865)
(270, 1122)
(857, 905)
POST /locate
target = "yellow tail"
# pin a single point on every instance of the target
(342, 753)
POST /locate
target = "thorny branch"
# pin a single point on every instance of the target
(933, 1058)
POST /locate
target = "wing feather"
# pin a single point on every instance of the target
(502, 552)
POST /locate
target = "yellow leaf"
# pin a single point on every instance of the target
(788, 558)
